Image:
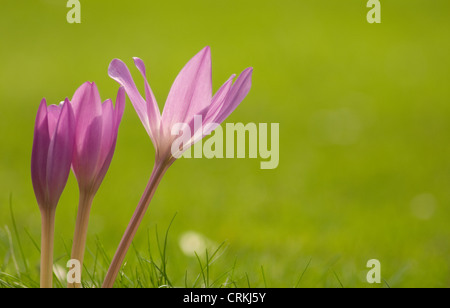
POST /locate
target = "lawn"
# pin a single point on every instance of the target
(364, 152)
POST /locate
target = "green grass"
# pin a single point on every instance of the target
(148, 269)
(364, 119)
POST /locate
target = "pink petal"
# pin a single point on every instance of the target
(111, 120)
(108, 129)
(191, 91)
(236, 94)
(39, 154)
(196, 135)
(60, 154)
(104, 167)
(53, 112)
(153, 113)
(120, 107)
(119, 72)
(218, 100)
(87, 107)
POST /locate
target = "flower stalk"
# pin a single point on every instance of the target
(80, 235)
(158, 172)
(47, 238)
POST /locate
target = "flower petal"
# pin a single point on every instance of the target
(191, 91)
(108, 153)
(120, 107)
(53, 112)
(196, 132)
(237, 93)
(39, 154)
(218, 100)
(87, 107)
(108, 131)
(119, 72)
(104, 168)
(60, 154)
(153, 113)
(208, 114)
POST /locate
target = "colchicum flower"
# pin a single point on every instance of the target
(51, 157)
(189, 97)
(97, 127)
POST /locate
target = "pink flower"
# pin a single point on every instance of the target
(190, 96)
(97, 127)
(51, 157)
(52, 152)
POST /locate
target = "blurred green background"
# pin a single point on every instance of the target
(364, 115)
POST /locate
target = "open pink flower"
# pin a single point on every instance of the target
(189, 97)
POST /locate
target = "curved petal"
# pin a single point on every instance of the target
(154, 115)
(111, 120)
(237, 93)
(41, 142)
(209, 113)
(88, 111)
(196, 132)
(104, 167)
(120, 107)
(191, 91)
(119, 72)
(60, 154)
(108, 132)
(218, 100)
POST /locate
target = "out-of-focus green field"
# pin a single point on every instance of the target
(364, 113)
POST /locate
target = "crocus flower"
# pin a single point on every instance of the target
(97, 127)
(51, 158)
(189, 96)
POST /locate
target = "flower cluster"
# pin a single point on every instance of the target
(81, 133)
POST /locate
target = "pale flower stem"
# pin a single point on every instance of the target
(47, 238)
(133, 225)
(81, 227)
